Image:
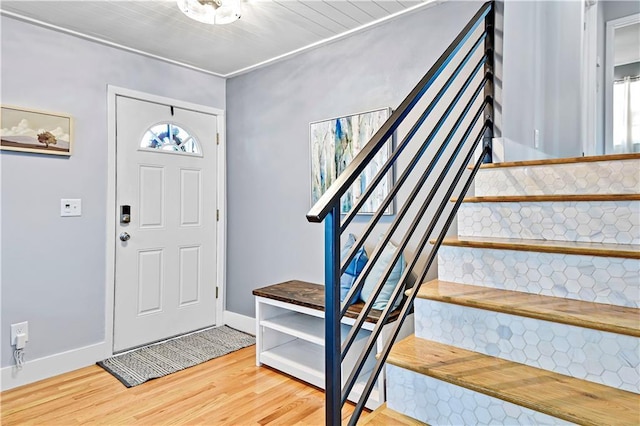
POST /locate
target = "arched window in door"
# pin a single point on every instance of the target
(169, 137)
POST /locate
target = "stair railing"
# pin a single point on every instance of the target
(479, 101)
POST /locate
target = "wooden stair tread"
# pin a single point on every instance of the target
(627, 251)
(571, 160)
(550, 198)
(597, 316)
(560, 396)
(384, 416)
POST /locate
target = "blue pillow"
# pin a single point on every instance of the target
(376, 274)
(353, 269)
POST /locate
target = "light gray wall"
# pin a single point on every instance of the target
(607, 10)
(626, 70)
(541, 79)
(269, 111)
(615, 9)
(542, 76)
(53, 268)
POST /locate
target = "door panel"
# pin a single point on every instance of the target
(189, 275)
(191, 197)
(150, 267)
(165, 273)
(152, 198)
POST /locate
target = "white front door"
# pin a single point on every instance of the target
(166, 247)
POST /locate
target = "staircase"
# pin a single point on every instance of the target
(534, 318)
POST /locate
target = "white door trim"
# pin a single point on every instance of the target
(589, 79)
(221, 243)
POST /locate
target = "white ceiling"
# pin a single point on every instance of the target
(266, 31)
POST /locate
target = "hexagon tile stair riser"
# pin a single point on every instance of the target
(587, 221)
(534, 316)
(599, 279)
(603, 177)
(441, 403)
(597, 356)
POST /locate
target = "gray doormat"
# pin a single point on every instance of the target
(160, 359)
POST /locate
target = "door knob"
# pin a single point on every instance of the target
(125, 236)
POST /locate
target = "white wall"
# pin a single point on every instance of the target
(53, 268)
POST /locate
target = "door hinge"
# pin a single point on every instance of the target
(217, 215)
(217, 292)
(217, 138)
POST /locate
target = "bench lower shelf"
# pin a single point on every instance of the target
(300, 359)
(290, 338)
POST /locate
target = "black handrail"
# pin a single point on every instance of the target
(413, 292)
(357, 286)
(402, 145)
(328, 206)
(401, 180)
(378, 327)
(421, 181)
(343, 182)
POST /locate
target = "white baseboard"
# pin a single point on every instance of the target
(240, 322)
(53, 365)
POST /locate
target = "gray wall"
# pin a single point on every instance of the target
(627, 70)
(53, 268)
(542, 70)
(268, 116)
(607, 11)
(541, 87)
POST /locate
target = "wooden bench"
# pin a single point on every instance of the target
(290, 335)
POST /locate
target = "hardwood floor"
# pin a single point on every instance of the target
(229, 390)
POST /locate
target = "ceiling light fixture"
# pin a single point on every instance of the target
(216, 12)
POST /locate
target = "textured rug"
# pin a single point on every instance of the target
(160, 359)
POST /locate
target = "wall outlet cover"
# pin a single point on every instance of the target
(19, 328)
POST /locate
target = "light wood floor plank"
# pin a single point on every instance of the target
(229, 390)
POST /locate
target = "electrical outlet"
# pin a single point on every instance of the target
(19, 328)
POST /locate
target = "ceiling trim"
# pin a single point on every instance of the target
(105, 42)
(333, 38)
(426, 3)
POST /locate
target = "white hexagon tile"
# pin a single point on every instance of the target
(597, 356)
(610, 280)
(600, 177)
(588, 221)
(440, 403)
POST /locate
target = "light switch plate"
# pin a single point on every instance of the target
(70, 207)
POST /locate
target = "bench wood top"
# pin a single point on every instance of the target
(311, 296)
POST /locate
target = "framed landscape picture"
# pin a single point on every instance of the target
(29, 130)
(334, 144)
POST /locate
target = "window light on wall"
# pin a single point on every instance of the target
(626, 115)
